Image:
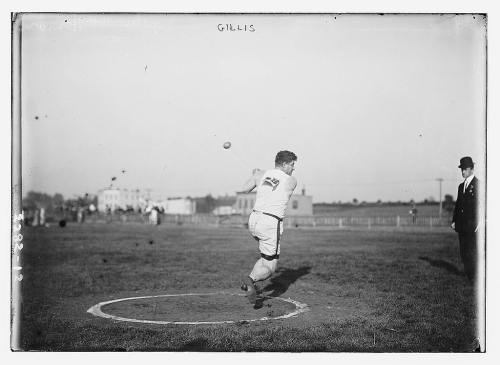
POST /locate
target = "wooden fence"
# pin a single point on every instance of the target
(289, 222)
(353, 221)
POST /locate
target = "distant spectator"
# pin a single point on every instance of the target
(42, 217)
(80, 215)
(414, 212)
(36, 218)
(153, 216)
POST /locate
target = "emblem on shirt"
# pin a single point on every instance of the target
(271, 181)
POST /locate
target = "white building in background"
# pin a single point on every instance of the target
(225, 210)
(115, 198)
(178, 206)
(225, 205)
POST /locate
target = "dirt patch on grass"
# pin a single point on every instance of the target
(216, 307)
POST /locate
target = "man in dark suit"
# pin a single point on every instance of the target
(466, 217)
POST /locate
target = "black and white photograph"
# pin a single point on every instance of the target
(249, 182)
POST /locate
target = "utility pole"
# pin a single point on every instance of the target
(440, 180)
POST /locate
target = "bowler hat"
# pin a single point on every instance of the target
(466, 162)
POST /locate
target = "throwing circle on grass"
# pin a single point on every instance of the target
(125, 307)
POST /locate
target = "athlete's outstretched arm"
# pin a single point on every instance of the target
(291, 185)
(252, 182)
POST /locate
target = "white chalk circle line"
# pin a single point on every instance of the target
(96, 310)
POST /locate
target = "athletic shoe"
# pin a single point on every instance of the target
(249, 288)
(251, 295)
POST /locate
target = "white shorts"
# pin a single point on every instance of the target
(267, 230)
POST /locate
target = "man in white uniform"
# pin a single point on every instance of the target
(274, 189)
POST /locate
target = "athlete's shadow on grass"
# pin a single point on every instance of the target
(442, 264)
(279, 284)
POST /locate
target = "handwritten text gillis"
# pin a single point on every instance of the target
(235, 27)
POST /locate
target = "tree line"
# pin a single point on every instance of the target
(55, 203)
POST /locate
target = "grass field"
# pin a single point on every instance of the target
(368, 291)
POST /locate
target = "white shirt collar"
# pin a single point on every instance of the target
(469, 179)
(467, 182)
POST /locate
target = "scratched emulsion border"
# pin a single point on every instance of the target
(17, 217)
(96, 310)
(16, 180)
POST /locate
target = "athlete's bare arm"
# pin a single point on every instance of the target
(252, 182)
(291, 184)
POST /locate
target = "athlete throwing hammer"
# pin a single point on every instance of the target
(274, 188)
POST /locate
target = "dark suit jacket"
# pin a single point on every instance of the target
(465, 215)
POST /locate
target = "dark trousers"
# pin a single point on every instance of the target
(468, 253)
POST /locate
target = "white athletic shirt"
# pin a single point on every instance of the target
(272, 194)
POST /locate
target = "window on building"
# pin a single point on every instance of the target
(295, 204)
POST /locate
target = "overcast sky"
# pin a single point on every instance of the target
(375, 107)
